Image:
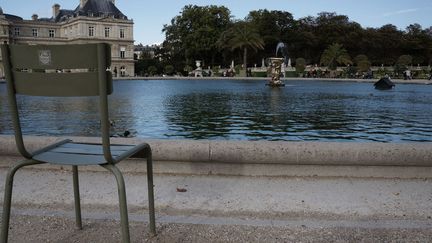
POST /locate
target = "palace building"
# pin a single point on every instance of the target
(92, 21)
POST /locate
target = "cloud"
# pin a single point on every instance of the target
(404, 11)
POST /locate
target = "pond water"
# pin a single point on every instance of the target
(238, 110)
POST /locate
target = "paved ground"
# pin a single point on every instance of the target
(224, 208)
(61, 229)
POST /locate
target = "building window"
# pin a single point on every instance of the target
(122, 52)
(17, 31)
(51, 33)
(122, 33)
(35, 32)
(91, 30)
(122, 71)
(107, 32)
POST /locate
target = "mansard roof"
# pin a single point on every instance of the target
(93, 8)
(100, 7)
(63, 15)
(12, 17)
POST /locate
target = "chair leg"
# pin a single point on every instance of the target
(77, 197)
(152, 222)
(124, 221)
(8, 197)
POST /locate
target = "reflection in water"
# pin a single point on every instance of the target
(235, 109)
(199, 116)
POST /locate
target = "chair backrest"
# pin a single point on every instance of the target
(58, 70)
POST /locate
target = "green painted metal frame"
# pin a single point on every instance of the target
(103, 60)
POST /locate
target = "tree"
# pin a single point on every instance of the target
(273, 26)
(193, 34)
(152, 70)
(169, 69)
(335, 55)
(405, 60)
(243, 36)
(362, 62)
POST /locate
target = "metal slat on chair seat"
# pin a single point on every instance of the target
(70, 159)
(80, 154)
(91, 148)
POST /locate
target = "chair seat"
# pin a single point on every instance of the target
(80, 154)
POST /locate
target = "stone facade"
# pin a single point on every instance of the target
(93, 21)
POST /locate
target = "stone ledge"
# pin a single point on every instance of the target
(262, 152)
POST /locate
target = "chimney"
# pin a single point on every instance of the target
(34, 17)
(55, 10)
(82, 3)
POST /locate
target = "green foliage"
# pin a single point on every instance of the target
(402, 64)
(187, 68)
(335, 55)
(349, 72)
(291, 74)
(362, 62)
(169, 69)
(242, 36)
(273, 26)
(142, 65)
(381, 72)
(216, 70)
(405, 60)
(259, 74)
(152, 70)
(300, 65)
(193, 34)
(237, 68)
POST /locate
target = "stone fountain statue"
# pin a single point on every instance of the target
(276, 65)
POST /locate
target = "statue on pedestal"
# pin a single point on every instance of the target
(198, 70)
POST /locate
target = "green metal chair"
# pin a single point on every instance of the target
(66, 71)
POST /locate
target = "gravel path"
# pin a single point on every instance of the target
(60, 229)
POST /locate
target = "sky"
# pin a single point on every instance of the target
(150, 16)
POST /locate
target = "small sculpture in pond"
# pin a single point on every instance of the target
(384, 83)
(126, 134)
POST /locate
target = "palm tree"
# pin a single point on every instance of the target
(335, 54)
(241, 36)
